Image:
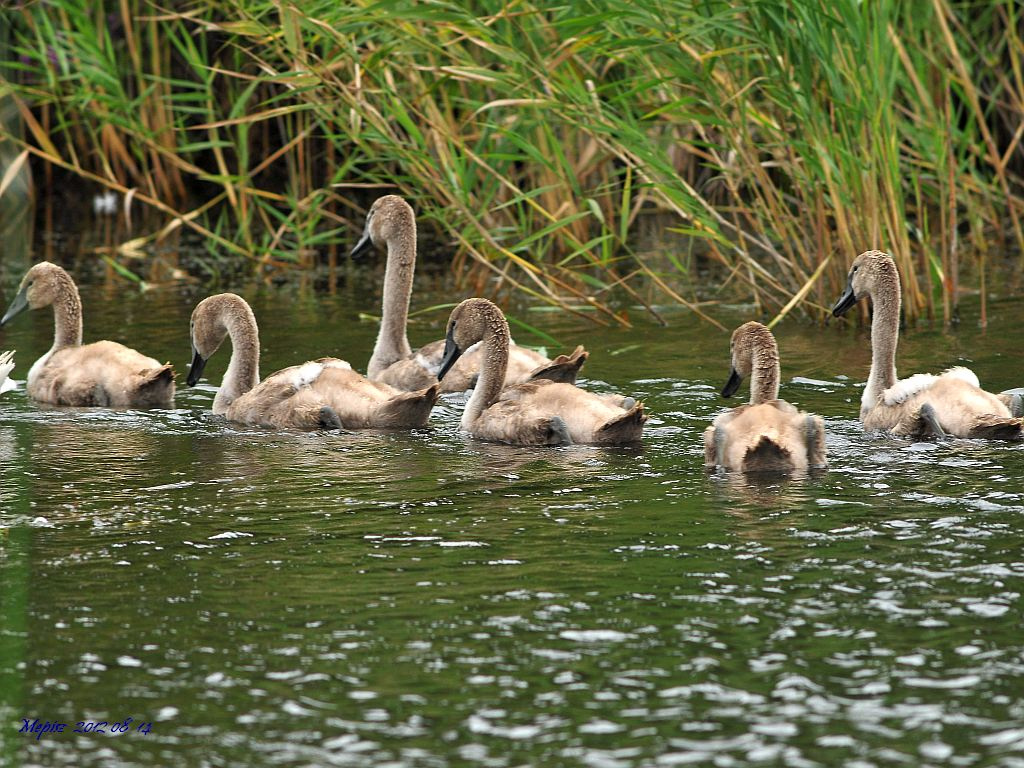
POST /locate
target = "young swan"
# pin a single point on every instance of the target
(539, 412)
(950, 403)
(323, 394)
(103, 373)
(768, 434)
(391, 223)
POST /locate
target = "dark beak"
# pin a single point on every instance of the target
(732, 384)
(451, 354)
(196, 370)
(847, 300)
(19, 305)
(365, 244)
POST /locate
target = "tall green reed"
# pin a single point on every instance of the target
(779, 138)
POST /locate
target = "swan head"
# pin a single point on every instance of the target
(41, 286)
(389, 218)
(752, 346)
(471, 321)
(869, 272)
(212, 319)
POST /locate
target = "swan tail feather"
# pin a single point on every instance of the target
(407, 409)
(767, 456)
(563, 368)
(991, 427)
(627, 428)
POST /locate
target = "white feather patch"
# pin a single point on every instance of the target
(342, 364)
(902, 391)
(963, 374)
(38, 366)
(868, 400)
(306, 374)
(431, 366)
(6, 364)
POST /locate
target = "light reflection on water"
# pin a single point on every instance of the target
(425, 599)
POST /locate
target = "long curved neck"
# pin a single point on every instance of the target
(491, 379)
(67, 315)
(885, 330)
(764, 378)
(392, 341)
(244, 369)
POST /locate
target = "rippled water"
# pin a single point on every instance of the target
(425, 599)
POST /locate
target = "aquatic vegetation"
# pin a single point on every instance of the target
(774, 136)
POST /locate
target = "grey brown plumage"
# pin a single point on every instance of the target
(1014, 401)
(537, 412)
(391, 224)
(950, 403)
(104, 373)
(767, 434)
(320, 394)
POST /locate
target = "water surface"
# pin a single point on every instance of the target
(426, 599)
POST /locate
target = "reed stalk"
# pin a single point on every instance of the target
(779, 139)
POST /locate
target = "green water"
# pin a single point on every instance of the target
(425, 599)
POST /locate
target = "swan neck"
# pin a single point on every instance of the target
(67, 316)
(764, 379)
(392, 340)
(244, 367)
(491, 379)
(885, 330)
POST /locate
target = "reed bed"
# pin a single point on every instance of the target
(776, 139)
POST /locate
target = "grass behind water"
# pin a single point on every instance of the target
(779, 138)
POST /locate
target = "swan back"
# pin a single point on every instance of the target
(102, 374)
(767, 437)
